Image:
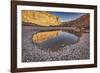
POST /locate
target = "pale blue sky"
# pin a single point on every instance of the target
(67, 16)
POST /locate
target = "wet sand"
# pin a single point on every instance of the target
(32, 53)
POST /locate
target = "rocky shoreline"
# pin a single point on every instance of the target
(32, 53)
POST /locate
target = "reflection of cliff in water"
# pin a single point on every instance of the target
(54, 39)
(43, 36)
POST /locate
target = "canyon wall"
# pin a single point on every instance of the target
(40, 18)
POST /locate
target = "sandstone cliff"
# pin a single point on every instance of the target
(40, 18)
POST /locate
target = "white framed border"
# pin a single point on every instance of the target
(53, 63)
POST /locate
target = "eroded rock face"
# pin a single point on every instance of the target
(40, 18)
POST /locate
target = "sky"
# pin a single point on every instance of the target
(67, 16)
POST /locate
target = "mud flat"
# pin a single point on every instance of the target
(32, 53)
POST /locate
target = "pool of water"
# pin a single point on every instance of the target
(54, 40)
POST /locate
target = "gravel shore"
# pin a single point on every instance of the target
(32, 53)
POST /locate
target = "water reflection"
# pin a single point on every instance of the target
(43, 36)
(54, 40)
